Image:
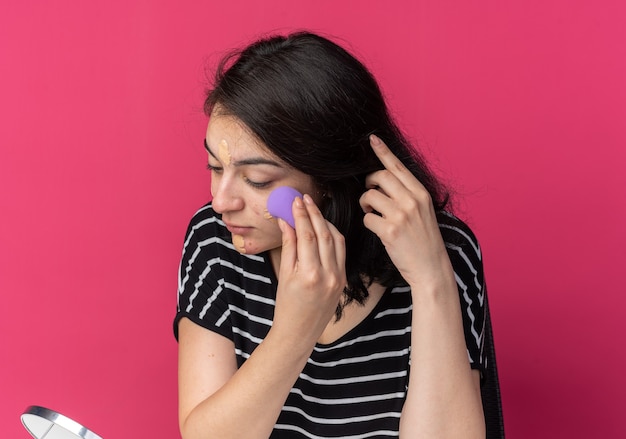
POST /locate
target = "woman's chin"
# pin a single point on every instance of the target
(247, 246)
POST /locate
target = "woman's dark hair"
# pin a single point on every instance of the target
(314, 105)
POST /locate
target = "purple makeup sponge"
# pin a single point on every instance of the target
(279, 203)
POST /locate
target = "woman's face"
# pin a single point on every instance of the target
(243, 173)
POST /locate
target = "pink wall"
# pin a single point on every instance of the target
(523, 104)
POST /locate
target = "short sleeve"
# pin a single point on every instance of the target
(466, 257)
(201, 295)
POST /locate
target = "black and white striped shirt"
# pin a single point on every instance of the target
(352, 388)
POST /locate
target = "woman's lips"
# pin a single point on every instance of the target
(237, 230)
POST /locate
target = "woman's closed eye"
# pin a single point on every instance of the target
(214, 169)
(257, 184)
(253, 183)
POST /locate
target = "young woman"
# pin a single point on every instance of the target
(367, 319)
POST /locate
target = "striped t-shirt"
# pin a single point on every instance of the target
(352, 388)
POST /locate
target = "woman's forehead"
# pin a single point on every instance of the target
(229, 132)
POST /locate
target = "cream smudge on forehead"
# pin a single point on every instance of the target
(223, 152)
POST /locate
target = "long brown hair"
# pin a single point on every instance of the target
(314, 105)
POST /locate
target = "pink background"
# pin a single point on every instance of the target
(521, 105)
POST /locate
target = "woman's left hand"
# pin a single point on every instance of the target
(399, 210)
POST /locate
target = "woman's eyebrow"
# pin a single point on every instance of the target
(206, 146)
(246, 161)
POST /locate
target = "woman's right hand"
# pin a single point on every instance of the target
(312, 274)
(214, 393)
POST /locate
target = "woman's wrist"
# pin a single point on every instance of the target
(290, 343)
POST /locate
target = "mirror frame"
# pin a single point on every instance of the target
(55, 418)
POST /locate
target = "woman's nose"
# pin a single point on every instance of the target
(225, 196)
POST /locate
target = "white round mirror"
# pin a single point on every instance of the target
(43, 423)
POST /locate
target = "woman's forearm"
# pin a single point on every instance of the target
(249, 404)
(443, 399)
